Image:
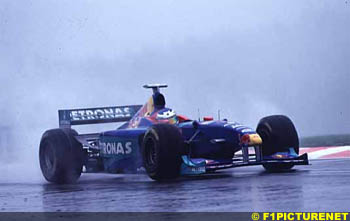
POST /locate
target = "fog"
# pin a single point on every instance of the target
(247, 58)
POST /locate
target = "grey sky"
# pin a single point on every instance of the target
(248, 58)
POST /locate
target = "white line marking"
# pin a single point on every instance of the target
(331, 150)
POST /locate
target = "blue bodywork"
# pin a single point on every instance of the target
(120, 149)
(212, 142)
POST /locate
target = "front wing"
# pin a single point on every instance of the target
(201, 166)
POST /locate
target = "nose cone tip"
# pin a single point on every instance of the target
(255, 139)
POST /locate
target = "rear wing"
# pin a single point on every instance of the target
(68, 118)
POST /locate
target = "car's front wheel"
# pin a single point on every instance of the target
(161, 151)
(278, 134)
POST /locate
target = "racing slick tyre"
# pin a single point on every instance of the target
(61, 156)
(278, 135)
(161, 151)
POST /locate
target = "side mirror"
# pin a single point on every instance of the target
(208, 118)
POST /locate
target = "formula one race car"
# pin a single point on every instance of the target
(155, 139)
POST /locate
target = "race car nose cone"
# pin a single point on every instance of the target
(254, 139)
(251, 139)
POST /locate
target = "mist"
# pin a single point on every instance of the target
(248, 59)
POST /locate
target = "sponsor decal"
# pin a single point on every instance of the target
(239, 127)
(219, 166)
(100, 113)
(116, 148)
(247, 130)
(197, 169)
(234, 125)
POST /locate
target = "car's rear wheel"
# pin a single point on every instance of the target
(61, 156)
(278, 134)
(161, 151)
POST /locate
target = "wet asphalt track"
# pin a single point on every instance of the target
(325, 186)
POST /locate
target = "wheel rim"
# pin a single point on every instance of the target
(49, 158)
(151, 153)
(265, 136)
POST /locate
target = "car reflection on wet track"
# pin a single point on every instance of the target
(320, 186)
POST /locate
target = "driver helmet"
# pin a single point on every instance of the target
(167, 115)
